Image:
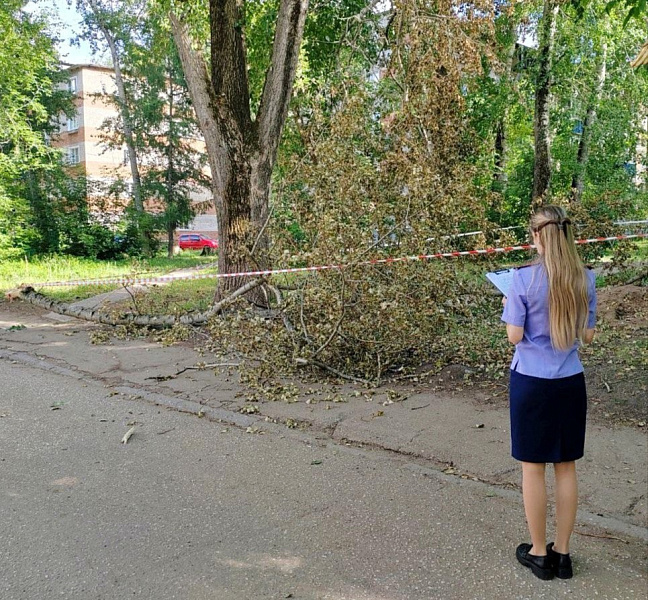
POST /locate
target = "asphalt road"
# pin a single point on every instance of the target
(195, 510)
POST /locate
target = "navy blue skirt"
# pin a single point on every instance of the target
(547, 418)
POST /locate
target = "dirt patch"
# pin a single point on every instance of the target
(616, 364)
(17, 311)
(624, 305)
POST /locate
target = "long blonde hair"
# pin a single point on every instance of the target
(568, 301)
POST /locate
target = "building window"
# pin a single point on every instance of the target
(72, 156)
(73, 123)
(72, 85)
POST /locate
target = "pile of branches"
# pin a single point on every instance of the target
(387, 168)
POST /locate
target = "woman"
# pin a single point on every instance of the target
(550, 309)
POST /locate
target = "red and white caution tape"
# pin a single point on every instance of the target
(127, 281)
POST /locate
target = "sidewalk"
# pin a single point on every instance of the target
(464, 432)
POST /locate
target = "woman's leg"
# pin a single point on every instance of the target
(566, 504)
(534, 493)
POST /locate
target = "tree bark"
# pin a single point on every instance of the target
(219, 139)
(204, 103)
(273, 110)
(578, 180)
(242, 151)
(541, 125)
(231, 90)
(155, 321)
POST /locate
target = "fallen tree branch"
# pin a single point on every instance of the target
(193, 368)
(605, 383)
(166, 431)
(284, 317)
(137, 310)
(602, 536)
(642, 276)
(419, 407)
(301, 315)
(155, 321)
(305, 362)
(336, 327)
(414, 375)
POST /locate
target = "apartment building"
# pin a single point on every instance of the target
(81, 140)
(80, 136)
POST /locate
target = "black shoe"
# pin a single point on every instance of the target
(540, 565)
(561, 564)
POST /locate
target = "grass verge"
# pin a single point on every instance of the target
(178, 297)
(64, 268)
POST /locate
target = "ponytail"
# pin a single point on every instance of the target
(568, 301)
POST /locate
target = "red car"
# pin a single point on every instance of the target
(196, 241)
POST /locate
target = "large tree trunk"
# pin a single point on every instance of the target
(578, 180)
(204, 103)
(242, 152)
(234, 120)
(541, 124)
(207, 106)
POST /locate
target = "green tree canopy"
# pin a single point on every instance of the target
(31, 99)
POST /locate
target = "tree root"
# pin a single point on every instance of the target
(154, 321)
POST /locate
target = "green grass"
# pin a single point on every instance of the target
(177, 297)
(64, 268)
(81, 292)
(641, 250)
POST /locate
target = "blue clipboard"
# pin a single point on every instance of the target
(501, 279)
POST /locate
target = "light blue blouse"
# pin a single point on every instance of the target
(527, 306)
